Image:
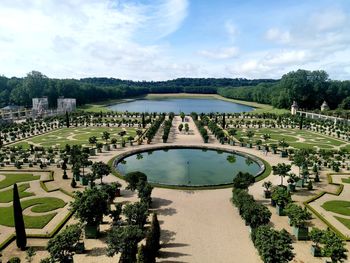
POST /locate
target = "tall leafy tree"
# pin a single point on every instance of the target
(124, 240)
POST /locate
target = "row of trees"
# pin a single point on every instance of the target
(273, 246)
(308, 88)
(20, 91)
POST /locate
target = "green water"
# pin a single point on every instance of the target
(188, 166)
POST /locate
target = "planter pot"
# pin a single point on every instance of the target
(258, 147)
(315, 251)
(79, 248)
(249, 145)
(131, 143)
(267, 194)
(117, 193)
(92, 152)
(284, 154)
(274, 151)
(76, 177)
(291, 187)
(273, 202)
(92, 231)
(280, 210)
(91, 184)
(114, 146)
(83, 180)
(242, 144)
(99, 150)
(106, 147)
(301, 233)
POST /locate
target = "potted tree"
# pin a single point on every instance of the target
(298, 219)
(316, 235)
(284, 145)
(267, 185)
(292, 180)
(281, 196)
(89, 207)
(273, 148)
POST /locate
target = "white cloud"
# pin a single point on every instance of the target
(222, 53)
(275, 34)
(86, 37)
(232, 30)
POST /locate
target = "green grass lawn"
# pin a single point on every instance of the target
(338, 206)
(38, 205)
(294, 137)
(7, 195)
(344, 221)
(346, 180)
(78, 136)
(11, 179)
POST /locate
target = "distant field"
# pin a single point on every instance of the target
(71, 136)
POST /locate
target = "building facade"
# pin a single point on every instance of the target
(66, 105)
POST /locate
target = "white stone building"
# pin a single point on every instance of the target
(66, 105)
(40, 105)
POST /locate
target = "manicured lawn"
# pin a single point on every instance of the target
(339, 207)
(346, 180)
(7, 195)
(344, 221)
(16, 178)
(296, 138)
(79, 136)
(38, 205)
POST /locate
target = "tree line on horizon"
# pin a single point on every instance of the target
(308, 88)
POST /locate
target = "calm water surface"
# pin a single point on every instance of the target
(188, 166)
(176, 105)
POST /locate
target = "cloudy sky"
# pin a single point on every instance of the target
(166, 39)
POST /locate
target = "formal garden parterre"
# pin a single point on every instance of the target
(314, 147)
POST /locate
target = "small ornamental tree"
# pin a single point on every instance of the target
(62, 246)
(100, 169)
(92, 140)
(124, 240)
(256, 215)
(143, 255)
(67, 120)
(281, 196)
(334, 247)
(243, 180)
(106, 135)
(89, 207)
(21, 237)
(153, 237)
(273, 246)
(182, 115)
(144, 190)
(282, 170)
(136, 214)
(133, 179)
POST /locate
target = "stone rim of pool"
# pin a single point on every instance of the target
(132, 152)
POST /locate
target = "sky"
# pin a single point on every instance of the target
(167, 39)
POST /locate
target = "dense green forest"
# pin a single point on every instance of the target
(308, 88)
(20, 91)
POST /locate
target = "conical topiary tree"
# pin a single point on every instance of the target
(21, 237)
(153, 237)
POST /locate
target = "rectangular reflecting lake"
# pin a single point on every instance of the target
(176, 105)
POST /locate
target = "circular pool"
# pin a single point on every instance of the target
(189, 166)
